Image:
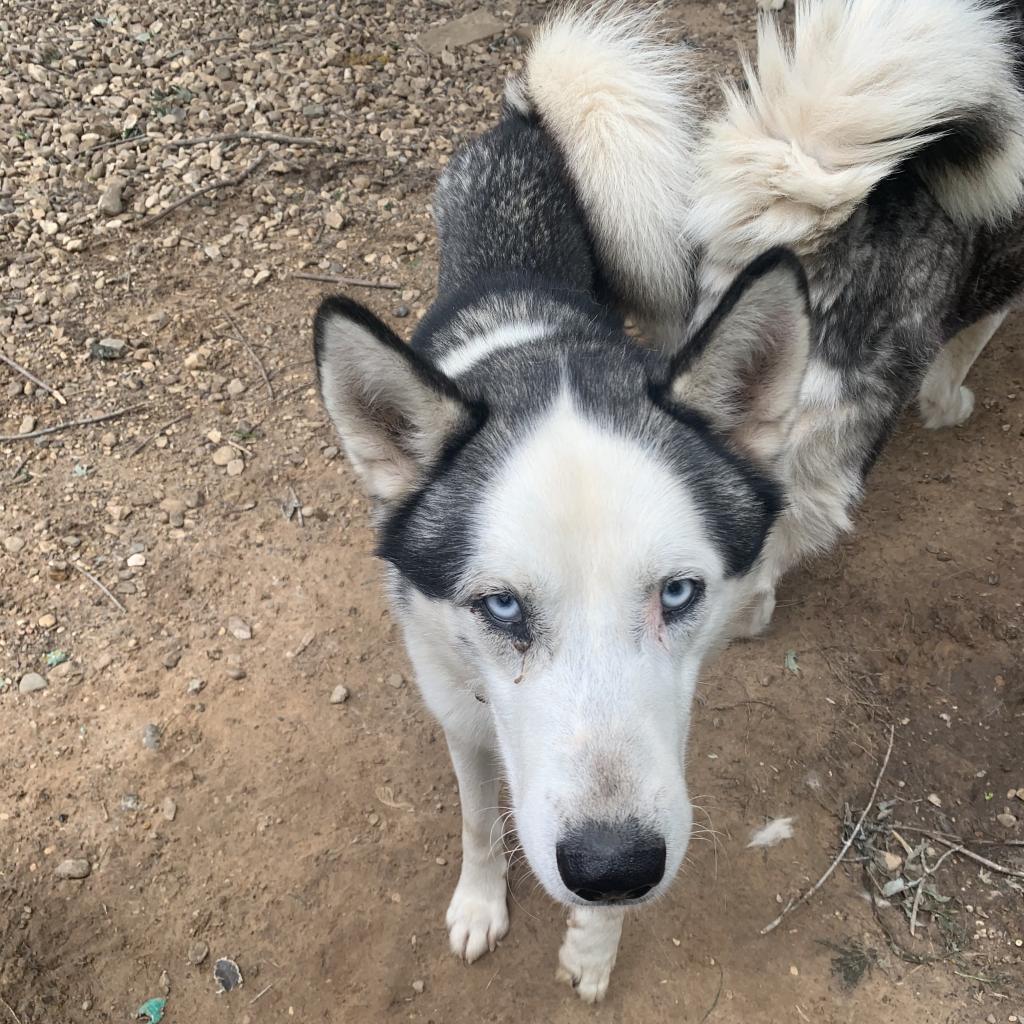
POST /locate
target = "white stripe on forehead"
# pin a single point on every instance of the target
(479, 346)
(582, 507)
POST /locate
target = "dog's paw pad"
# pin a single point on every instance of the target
(950, 410)
(476, 922)
(589, 980)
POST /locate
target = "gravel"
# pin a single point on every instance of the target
(73, 869)
(31, 682)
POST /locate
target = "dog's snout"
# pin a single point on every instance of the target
(607, 862)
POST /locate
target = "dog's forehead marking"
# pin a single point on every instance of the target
(478, 346)
(579, 504)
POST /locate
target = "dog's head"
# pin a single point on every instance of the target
(571, 524)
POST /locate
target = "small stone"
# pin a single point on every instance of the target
(77, 869)
(235, 387)
(103, 662)
(260, 276)
(47, 621)
(331, 452)
(933, 799)
(401, 312)
(136, 561)
(195, 686)
(12, 545)
(169, 809)
(108, 348)
(58, 570)
(333, 219)
(235, 672)
(223, 455)
(165, 982)
(419, 987)
(239, 628)
(889, 862)
(198, 952)
(111, 202)
(109, 439)
(339, 695)
(171, 659)
(470, 28)
(27, 425)
(1006, 819)
(235, 467)
(794, 970)
(31, 682)
(151, 737)
(396, 681)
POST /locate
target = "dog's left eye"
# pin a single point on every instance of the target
(678, 594)
(503, 608)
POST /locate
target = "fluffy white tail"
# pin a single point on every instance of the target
(616, 97)
(865, 86)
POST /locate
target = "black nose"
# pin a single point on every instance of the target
(601, 861)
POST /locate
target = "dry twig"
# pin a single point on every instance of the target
(287, 140)
(794, 903)
(976, 857)
(89, 576)
(223, 183)
(112, 143)
(240, 336)
(32, 377)
(152, 437)
(351, 282)
(72, 423)
(260, 995)
(10, 1010)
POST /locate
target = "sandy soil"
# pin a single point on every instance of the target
(317, 843)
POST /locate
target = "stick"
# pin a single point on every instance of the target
(260, 995)
(718, 995)
(287, 140)
(152, 437)
(352, 282)
(252, 352)
(793, 903)
(10, 1010)
(111, 143)
(991, 864)
(32, 377)
(296, 505)
(223, 183)
(72, 423)
(88, 575)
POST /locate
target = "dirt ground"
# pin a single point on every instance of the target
(223, 804)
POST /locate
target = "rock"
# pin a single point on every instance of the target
(109, 439)
(108, 348)
(396, 681)
(331, 452)
(151, 737)
(235, 672)
(47, 621)
(198, 951)
(27, 425)
(77, 869)
(235, 387)
(235, 467)
(260, 276)
(12, 545)
(103, 662)
(470, 28)
(401, 312)
(933, 799)
(1006, 819)
(339, 695)
(111, 202)
(31, 682)
(58, 570)
(223, 455)
(171, 658)
(136, 561)
(239, 628)
(169, 809)
(419, 987)
(334, 220)
(889, 862)
(195, 686)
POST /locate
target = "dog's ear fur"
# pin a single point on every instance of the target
(393, 410)
(742, 371)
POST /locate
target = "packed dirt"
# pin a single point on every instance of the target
(188, 750)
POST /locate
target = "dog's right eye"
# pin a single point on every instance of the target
(503, 609)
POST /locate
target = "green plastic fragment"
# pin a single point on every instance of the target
(152, 1010)
(791, 663)
(56, 658)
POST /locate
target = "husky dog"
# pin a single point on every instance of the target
(572, 521)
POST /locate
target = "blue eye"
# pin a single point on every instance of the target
(503, 608)
(677, 595)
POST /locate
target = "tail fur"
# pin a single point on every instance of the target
(866, 87)
(616, 97)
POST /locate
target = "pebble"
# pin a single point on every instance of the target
(396, 681)
(28, 424)
(1006, 819)
(419, 987)
(171, 659)
(136, 561)
(109, 439)
(239, 628)
(235, 467)
(108, 348)
(933, 799)
(76, 869)
(235, 672)
(223, 455)
(151, 737)
(195, 686)
(401, 312)
(339, 695)
(235, 387)
(111, 202)
(32, 682)
(104, 661)
(47, 621)
(198, 951)
(12, 545)
(169, 809)
(331, 452)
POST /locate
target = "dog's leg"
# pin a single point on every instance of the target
(478, 914)
(589, 949)
(943, 399)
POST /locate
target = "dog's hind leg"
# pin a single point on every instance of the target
(943, 399)
(478, 913)
(589, 949)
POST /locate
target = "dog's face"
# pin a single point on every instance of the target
(568, 545)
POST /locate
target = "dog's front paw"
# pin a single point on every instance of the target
(587, 956)
(477, 915)
(949, 409)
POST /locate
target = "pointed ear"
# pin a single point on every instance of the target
(393, 410)
(744, 368)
